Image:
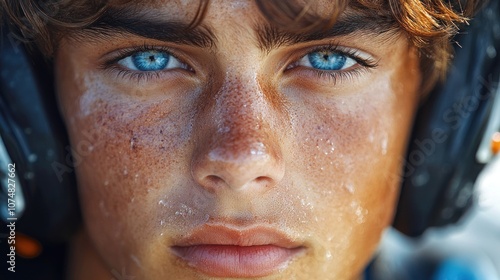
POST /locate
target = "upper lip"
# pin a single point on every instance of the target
(222, 234)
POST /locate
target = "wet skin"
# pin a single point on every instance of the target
(236, 139)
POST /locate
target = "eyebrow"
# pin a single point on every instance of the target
(271, 37)
(124, 21)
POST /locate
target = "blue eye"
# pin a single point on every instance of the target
(327, 60)
(151, 61)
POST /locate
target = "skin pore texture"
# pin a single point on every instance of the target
(234, 138)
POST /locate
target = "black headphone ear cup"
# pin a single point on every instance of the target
(441, 166)
(34, 137)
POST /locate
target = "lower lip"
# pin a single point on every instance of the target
(236, 261)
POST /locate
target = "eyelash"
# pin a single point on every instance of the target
(333, 75)
(336, 75)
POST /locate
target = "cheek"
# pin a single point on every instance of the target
(126, 154)
(353, 148)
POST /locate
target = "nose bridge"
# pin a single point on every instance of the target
(239, 114)
(239, 149)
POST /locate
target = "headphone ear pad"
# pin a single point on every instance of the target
(35, 140)
(441, 166)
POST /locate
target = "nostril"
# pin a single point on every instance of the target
(214, 180)
(263, 180)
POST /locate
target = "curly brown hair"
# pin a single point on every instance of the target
(428, 24)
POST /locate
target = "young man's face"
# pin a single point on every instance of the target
(227, 152)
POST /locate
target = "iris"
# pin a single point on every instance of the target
(150, 60)
(327, 60)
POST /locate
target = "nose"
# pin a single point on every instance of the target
(238, 146)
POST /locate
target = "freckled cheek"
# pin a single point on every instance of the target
(347, 158)
(347, 155)
(343, 146)
(124, 166)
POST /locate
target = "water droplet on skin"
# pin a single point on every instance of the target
(371, 137)
(125, 172)
(184, 211)
(103, 208)
(384, 147)
(359, 211)
(106, 183)
(349, 187)
(136, 260)
(90, 148)
(162, 222)
(161, 202)
(259, 150)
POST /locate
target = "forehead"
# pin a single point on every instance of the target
(188, 7)
(296, 11)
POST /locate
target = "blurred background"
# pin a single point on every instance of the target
(468, 250)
